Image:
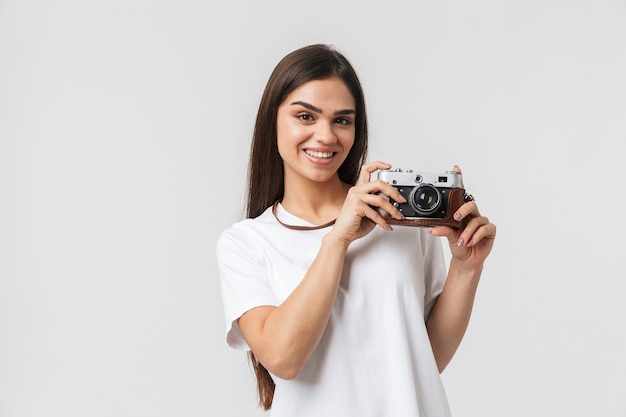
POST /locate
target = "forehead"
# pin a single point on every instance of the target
(327, 92)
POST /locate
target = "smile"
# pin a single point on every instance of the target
(319, 154)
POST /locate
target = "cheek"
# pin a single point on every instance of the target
(347, 139)
(290, 134)
(286, 139)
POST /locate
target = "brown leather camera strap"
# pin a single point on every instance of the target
(292, 227)
(458, 196)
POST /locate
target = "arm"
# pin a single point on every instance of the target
(450, 315)
(283, 338)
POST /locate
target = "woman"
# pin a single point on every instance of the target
(341, 314)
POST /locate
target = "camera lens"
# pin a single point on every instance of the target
(425, 199)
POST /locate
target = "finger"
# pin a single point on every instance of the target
(368, 169)
(472, 232)
(373, 215)
(381, 187)
(466, 210)
(486, 231)
(379, 202)
(457, 169)
(445, 231)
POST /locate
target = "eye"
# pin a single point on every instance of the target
(343, 121)
(305, 117)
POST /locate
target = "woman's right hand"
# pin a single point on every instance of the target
(283, 338)
(360, 212)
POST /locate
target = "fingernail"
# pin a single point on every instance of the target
(400, 216)
(457, 216)
(460, 242)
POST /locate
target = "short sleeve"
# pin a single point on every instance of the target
(243, 278)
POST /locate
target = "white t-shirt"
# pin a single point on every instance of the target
(375, 358)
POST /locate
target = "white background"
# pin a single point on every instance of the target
(124, 134)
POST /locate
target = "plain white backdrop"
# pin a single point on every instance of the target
(124, 136)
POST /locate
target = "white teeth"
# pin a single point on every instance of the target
(319, 154)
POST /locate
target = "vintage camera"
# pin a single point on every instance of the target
(432, 198)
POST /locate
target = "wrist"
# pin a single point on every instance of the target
(465, 269)
(332, 239)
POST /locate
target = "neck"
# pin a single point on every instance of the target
(314, 202)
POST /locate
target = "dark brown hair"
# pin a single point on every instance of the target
(265, 169)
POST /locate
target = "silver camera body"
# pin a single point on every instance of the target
(427, 193)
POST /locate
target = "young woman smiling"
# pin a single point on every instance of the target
(341, 314)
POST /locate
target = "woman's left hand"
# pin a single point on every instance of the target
(472, 244)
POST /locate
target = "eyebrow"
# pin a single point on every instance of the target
(318, 110)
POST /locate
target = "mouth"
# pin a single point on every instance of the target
(319, 155)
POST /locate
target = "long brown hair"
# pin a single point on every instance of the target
(265, 169)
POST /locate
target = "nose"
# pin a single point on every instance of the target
(325, 133)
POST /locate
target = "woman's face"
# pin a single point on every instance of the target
(315, 129)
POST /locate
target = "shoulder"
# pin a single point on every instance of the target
(246, 232)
